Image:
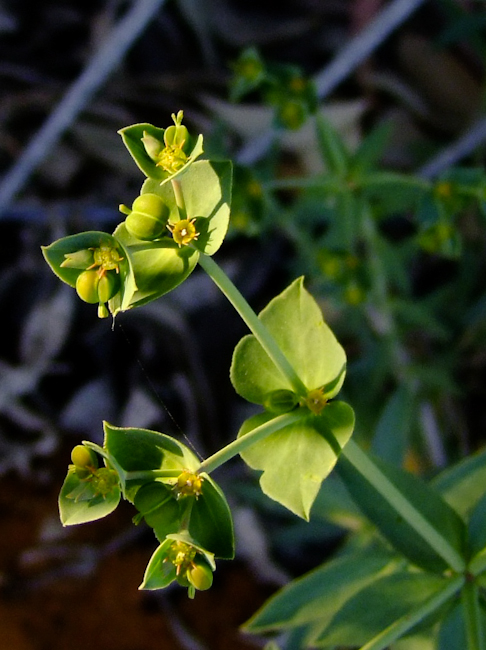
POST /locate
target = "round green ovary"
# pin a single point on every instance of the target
(148, 218)
(200, 576)
(82, 457)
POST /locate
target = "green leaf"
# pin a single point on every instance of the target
(452, 633)
(397, 530)
(132, 139)
(391, 438)
(315, 598)
(477, 527)
(156, 268)
(462, 485)
(207, 195)
(371, 149)
(379, 605)
(296, 459)
(78, 504)
(161, 511)
(159, 573)
(333, 150)
(394, 191)
(296, 322)
(211, 522)
(142, 449)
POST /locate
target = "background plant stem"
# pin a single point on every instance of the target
(472, 614)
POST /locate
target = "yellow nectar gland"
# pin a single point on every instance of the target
(315, 400)
(181, 556)
(172, 159)
(104, 480)
(184, 231)
(106, 258)
(188, 484)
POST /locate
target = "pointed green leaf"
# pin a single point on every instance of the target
(161, 511)
(156, 267)
(207, 195)
(333, 150)
(211, 522)
(315, 598)
(132, 139)
(159, 573)
(78, 504)
(142, 449)
(371, 149)
(452, 633)
(296, 459)
(462, 485)
(296, 322)
(397, 416)
(387, 601)
(396, 530)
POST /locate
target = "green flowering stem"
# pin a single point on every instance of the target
(407, 622)
(257, 328)
(240, 444)
(472, 616)
(149, 474)
(367, 468)
(179, 197)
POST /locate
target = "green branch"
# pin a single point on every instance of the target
(240, 444)
(150, 474)
(257, 328)
(179, 198)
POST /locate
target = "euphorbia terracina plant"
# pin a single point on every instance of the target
(426, 569)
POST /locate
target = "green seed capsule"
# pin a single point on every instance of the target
(199, 575)
(83, 457)
(148, 218)
(93, 287)
(87, 286)
(108, 286)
